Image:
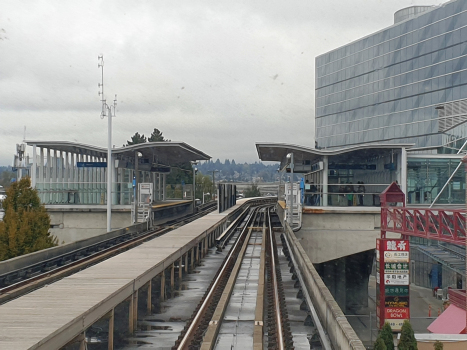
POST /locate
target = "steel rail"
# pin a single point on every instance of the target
(277, 312)
(212, 331)
(189, 334)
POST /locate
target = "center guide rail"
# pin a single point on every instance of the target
(203, 328)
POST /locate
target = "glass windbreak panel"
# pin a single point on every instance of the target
(426, 178)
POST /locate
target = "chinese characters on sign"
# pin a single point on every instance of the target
(392, 259)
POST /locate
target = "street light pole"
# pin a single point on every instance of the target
(193, 164)
(107, 112)
(213, 183)
(290, 157)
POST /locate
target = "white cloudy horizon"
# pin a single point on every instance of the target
(217, 75)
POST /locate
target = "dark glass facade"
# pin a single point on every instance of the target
(404, 84)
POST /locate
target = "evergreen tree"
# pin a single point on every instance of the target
(379, 344)
(438, 345)
(407, 341)
(25, 226)
(252, 191)
(386, 335)
(156, 136)
(136, 138)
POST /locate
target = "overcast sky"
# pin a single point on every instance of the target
(218, 75)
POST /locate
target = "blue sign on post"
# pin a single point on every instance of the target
(91, 164)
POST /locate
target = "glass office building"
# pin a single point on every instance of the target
(404, 84)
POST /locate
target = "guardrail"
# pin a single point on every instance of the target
(340, 332)
(446, 225)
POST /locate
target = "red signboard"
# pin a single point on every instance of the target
(399, 313)
(393, 256)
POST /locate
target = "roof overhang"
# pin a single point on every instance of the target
(170, 152)
(277, 152)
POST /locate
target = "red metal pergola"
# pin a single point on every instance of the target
(446, 225)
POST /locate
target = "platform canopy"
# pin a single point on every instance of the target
(166, 152)
(277, 152)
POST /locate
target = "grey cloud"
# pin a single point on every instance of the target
(200, 71)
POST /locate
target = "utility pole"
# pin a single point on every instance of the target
(214, 183)
(290, 157)
(107, 112)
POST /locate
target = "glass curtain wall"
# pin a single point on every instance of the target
(386, 87)
(427, 176)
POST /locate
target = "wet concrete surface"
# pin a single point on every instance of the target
(161, 330)
(236, 331)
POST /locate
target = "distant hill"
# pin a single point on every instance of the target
(240, 172)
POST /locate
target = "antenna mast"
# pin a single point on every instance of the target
(109, 112)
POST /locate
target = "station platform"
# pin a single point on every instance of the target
(171, 203)
(171, 210)
(48, 318)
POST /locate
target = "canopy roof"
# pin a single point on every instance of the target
(451, 321)
(277, 152)
(170, 152)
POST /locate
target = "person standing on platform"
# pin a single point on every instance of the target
(349, 190)
(361, 191)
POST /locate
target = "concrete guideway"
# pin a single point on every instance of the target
(50, 317)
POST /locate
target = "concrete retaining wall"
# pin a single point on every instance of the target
(36, 257)
(70, 226)
(341, 334)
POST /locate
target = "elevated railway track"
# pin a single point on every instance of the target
(256, 295)
(32, 276)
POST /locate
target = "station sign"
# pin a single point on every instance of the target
(91, 164)
(393, 258)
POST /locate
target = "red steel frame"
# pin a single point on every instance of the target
(447, 225)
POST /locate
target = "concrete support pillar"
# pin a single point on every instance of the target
(163, 285)
(66, 177)
(137, 181)
(193, 253)
(149, 301)
(180, 269)
(40, 186)
(325, 180)
(82, 342)
(111, 330)
(186, 262)
(198, 253)
(47, 177)
(357, 273)
(159, 193)
(206, 245)
(172, 277)
(131, 310)
(133, 314)
(34, 167)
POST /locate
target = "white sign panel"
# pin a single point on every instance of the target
(401, 279)
(396, 256)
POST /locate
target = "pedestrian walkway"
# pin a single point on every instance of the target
(420, 300)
